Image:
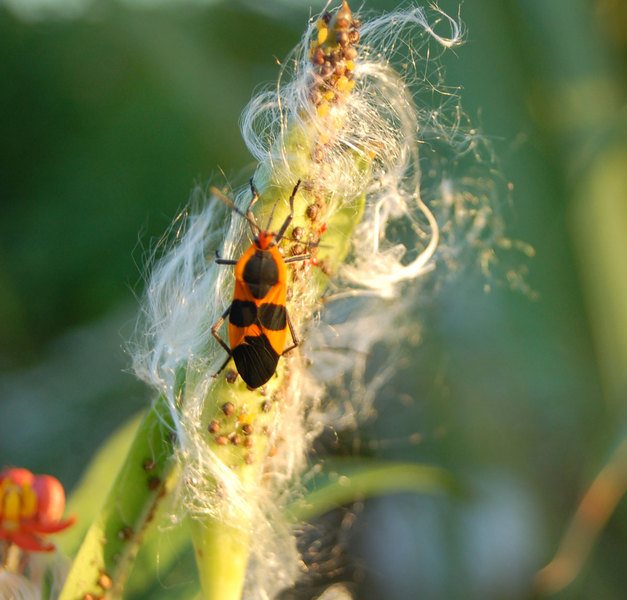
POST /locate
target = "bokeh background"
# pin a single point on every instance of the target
(110, 112)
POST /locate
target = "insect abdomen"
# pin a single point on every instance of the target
(255, 359)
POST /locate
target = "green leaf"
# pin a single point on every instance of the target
(109, 548)
(350, 480)
(165, 563)
(88, 497)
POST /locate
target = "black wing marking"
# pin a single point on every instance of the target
(255, 360)
(243, 313)
(272, 316)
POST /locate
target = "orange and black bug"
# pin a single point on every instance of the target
(258, 318)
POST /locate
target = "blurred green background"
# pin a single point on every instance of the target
(111, 111)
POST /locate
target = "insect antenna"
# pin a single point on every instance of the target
(271, 214)
(226, 200)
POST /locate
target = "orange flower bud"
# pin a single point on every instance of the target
(31, 506)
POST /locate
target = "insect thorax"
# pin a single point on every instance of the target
(261, 273)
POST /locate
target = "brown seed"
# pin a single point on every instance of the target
(213, 427)
(326, 70)
(353, 36)
(221, 440)
(154, 483)
(340, 68)
(248, 442)
(228, 409)
(342, 38)
(149, 464)
(312, 211)
(297, 250)
(231, 376)
(126, 533)
(350, 53)
(266, 406)
(318, 57)
(298, 233)
(248, 459)
(235, 439)
(247, 429)
(104, 581)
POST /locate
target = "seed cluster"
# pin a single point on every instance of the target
(333, 55)
(236, 427)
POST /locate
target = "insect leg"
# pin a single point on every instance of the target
(215, 334)
(298, 258)
(289, 217)
(295, 340)
(226, 362)
(224, 261)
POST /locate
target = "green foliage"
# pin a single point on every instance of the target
(107, 553)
